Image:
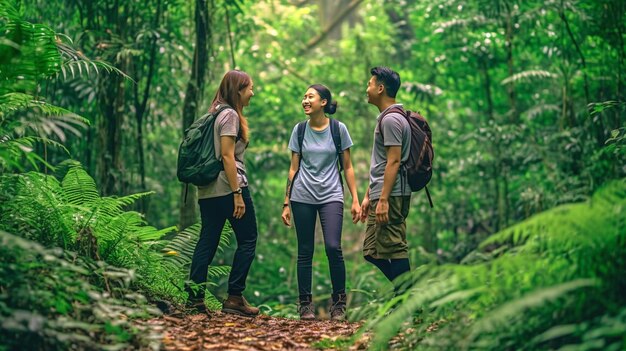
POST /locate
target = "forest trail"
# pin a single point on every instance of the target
(221, 331)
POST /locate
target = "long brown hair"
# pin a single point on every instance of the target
(228, 93)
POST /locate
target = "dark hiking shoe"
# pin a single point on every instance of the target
(239, 305)
(338, 308)
(196, 306)
(306, 310)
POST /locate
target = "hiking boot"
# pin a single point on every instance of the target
(196, 306)
(306, 310)
(338, 308)
(238, 305)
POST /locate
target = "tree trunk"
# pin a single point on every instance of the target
(495, 149)
(487, 83)
(141, 104)
(509, 62)
(110, 136)
(406, 33)
(195, 90)
(616, 10)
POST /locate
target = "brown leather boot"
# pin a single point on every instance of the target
(239, 305)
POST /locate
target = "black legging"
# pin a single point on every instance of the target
(331, 217)
(214, 213)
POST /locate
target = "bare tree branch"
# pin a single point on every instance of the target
(342, 15)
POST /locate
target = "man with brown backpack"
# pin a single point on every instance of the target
(401, 162)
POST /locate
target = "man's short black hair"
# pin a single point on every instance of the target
(387, 77)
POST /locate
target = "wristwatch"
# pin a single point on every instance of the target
(237, 191)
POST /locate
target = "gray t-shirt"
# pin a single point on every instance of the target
(318, 179)
(397, 132)
(226, 124)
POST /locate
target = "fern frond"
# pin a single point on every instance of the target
(387, 327)
(212, 302)
(537, 110)
(180, 249)
(79, 187)
(119, 227)
(216, 272)
(36, 56)
(528, 76)
(36, 207)
(516, 309)
(130, 199)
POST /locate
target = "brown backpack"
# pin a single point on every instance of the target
(419, 166)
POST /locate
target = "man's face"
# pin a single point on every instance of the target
(373, 91)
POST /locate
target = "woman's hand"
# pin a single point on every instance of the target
(240, 206)
(365, 208)
(356, 211)
(286, 216)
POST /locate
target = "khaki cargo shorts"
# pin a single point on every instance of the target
(388, 240)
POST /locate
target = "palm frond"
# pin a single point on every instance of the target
(15, 148)
(76, 64)
(26, 112)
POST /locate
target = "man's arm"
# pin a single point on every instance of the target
(394, 154)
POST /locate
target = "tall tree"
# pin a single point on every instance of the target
(193, 95)
(148, 64)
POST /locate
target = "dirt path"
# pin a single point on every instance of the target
(221, 331)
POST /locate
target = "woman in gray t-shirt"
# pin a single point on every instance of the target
(227, 199)
(315, 187)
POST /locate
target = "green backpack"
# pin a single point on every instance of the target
(197, 163)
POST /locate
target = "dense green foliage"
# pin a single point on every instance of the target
(525, 98)
(552, 281)
(56, 300)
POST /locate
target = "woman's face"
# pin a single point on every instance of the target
(246, 93)
(312, 102)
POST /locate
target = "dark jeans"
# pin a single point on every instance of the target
(214, 213)
(331, 217)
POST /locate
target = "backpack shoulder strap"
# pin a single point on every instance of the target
(300, 129)
(220, 108)
(396, 109)
(336, 134)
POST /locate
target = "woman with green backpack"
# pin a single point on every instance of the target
(227, 197)
(314, 186)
